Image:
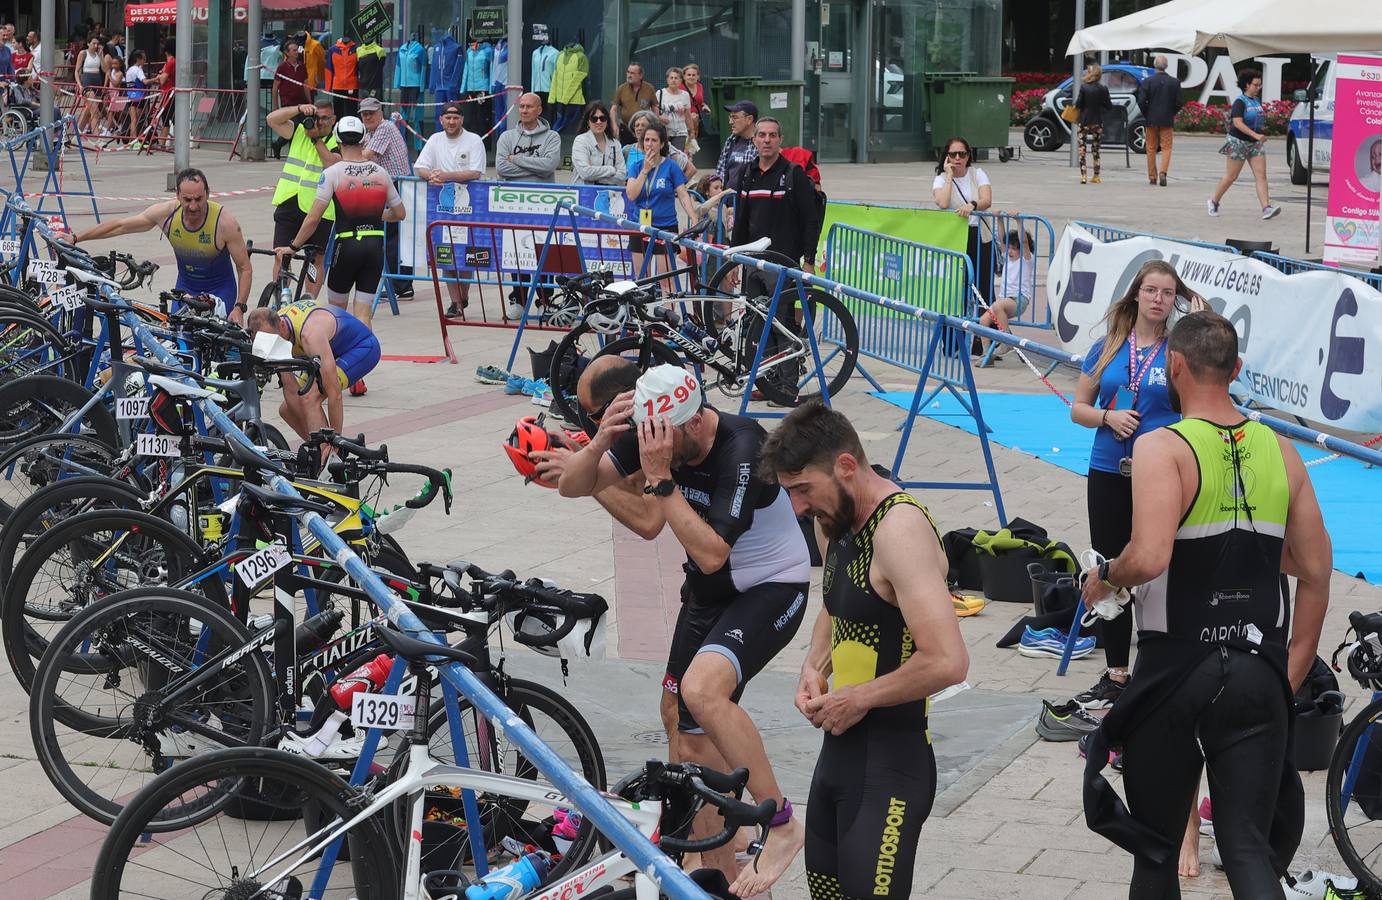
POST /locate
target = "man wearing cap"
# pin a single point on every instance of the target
(384, 145)
(738, 150)
(364, 196)
(311, 148)
(747, 572)
(450, 158)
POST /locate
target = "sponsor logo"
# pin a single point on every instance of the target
(575, 886)
(670, 684)
(887, 849)
(454, 199)
(1230, 597)
(1215, 634)
(159, 658)
(908, 646)
(786, 617)
(533, 201)
(695, 495)
(736, 633)
(745, 473)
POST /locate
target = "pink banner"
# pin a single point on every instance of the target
(1355, 169)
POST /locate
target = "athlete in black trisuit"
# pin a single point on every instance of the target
(1221, 507)
(889, 635)
(747, 575)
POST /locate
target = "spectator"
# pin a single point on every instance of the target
(384, 145)
(135, 94)
(311, 149)
(23, 58)
(641, 121)
(115, 88)
(1159, 97)
(36, 48)
(89, 74)
(532, 151)
(698, 121)
(7, 37)
(739, 149)
(1094, 103)
(7, 49)
(595, 154)
(674, 105)
(963, 187)
(115, 47)
(290, 87)
(655, 185)
(713, 196)
(25, 93)
(452, 156)
(166, 81)
(1246, 143)
(1019, 287)
(633, 96)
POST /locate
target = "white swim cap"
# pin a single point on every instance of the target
(666, 390)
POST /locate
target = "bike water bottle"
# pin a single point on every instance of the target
(698, 334)
(316, 631)
(512, 881)
(371, 675)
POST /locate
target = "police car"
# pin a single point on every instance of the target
(1298, 137)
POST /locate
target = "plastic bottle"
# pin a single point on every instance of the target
(698, 334)
(315, 632)
(371, 675)
(512, 881)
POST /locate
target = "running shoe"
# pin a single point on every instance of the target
(1066, 722)
(1051, 642)
(966, 606)
(517, 384)
(1212, 207)
(454, 311)
(542, 394)
(491, 375)
(1271, 212)
(1102, 695)
(405, 293)
(358, 389)
(1319, 885)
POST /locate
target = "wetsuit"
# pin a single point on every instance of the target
(1209, 686)
(356, 349)
(361, 190)
(874, 785)
(203, 267)
(750, 608)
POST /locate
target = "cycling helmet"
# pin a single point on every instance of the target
(528, 437)
(607, 315)
(1365, 664)
(537, 624)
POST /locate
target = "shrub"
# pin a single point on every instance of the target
(1213, 118)
(1025, 105)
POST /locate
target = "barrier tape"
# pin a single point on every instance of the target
(383, 102)
(214, 196)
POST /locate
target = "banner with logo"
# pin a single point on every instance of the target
(932, 227)
(1311, 342)
(1355, 171)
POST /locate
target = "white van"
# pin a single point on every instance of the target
(1297, 139)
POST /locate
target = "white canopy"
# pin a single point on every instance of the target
(1246, 27)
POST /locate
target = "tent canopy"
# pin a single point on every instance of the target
(1246, 28)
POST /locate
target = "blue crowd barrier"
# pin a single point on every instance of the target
(1118, 233)
(1043, 249)
(1289, 266)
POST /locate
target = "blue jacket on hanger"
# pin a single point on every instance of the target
(544, 63)
(477, 65)
(410, 66)
(446, 66)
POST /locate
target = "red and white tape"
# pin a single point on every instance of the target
(214, 196)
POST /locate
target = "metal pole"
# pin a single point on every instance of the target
(47, 36)
(1309, 166)
(1075, 79)
(253, 148)
(1103, 18)
(516, 58)
(798, 70)
(182, 99)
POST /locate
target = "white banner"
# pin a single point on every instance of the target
(1311, 343)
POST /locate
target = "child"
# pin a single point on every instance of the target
(1019, 287)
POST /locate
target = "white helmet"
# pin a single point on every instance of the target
(607, 314)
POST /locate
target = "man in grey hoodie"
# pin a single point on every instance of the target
(532, 151)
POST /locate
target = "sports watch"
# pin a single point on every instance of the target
(663, 488)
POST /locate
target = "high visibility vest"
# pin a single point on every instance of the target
(302, 171)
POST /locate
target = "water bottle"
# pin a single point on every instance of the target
(512, 881)
(315, 632)
(368, 677)
(694, 332)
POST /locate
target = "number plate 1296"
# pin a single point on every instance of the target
(386, 711)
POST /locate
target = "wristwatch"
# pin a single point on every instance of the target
(242, 307)
(663, 488)
(1103, 574)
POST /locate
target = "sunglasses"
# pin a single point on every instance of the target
(590, 421)
(599, 118)
(958, 154)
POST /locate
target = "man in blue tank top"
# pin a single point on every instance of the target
(210, 250)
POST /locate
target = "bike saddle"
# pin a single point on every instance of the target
(174, 388)
(414, 650)
(283, 503)
(249, 459)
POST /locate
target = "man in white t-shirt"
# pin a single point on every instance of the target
(452, 156)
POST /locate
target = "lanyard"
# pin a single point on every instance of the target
(1135, 378)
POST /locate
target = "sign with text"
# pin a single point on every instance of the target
(488, 23)
(1303, 338)
(371, 22)
(1355, 171)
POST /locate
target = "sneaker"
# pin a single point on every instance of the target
(1064, 723)
(1161, 179)
(1002, 351)
(491, 375)
(1051, 642)
(1212, 208)
(1084, 180)
(1102, 695)
(404, 293)
(1115, 758)
(1096, 180)
(453, 311)
(1215, 858)
(542, 394)
(1271, 212)
(514, 311)
(976, 347)
(966, 606)
(358, 389)
(1152, 182)
(1319, 885)
(517, 384)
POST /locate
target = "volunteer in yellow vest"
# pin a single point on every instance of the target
(1221, 509)
(888, 635)
(206, 240)
(312, 147)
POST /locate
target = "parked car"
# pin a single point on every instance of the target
(1297, 139)
(1047, 131)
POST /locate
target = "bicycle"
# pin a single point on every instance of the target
(287, 288)
(1354, 809)
(382, 826)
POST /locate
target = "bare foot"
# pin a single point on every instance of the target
(1190, 855)
(781, 847)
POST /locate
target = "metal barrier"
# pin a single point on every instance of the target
(45, 142)
(1021, 272)
(1109, 233)
(217, 116)
(1289, 266)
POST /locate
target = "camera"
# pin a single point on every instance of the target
(309, 122)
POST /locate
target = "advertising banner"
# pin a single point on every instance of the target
(881, 264)
(1311, 343)
(1355, 173)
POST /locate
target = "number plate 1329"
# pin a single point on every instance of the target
(387, 711)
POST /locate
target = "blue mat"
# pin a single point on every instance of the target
(1350, 493)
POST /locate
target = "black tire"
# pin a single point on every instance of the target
(39, 404)
(571, 738)
(54, 503)
(1299, 173)
(29, 344)
(86, 707)
(1138, 137)
(269, 296)
(20, 299)
(581, 345)
(134, 549)
(1042, 135)
(266, 435)
(128, 862)
(1355, 829)
(37, 462)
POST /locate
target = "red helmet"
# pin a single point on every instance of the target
(529, 436)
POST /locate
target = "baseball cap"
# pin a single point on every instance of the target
(744, 106)
(667, 390)
(452, 108)
(350, 125)
(371, 104)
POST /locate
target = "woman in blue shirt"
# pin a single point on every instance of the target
(655, 185)
(1246, 143)
(1123, 394)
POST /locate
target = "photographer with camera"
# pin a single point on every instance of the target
(311, 148)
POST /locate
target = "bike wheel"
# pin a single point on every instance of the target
(837, 341)
(1357, 835)
(54, 503)
(39, 404)
(82, 561)
(559, 725)
(45, 459)
(99, 722)
(577, 348)
(643, 351)
(28, 345)
(223, 856)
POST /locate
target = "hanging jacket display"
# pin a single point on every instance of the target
(478, 58)
(410, 66)
(499, 79)
(544, 63)
(314, 57)
(446, 67)
(568, 78)
(342, 67)
(370, 66)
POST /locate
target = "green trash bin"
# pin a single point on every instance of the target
(979, 107)
(779, 99)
